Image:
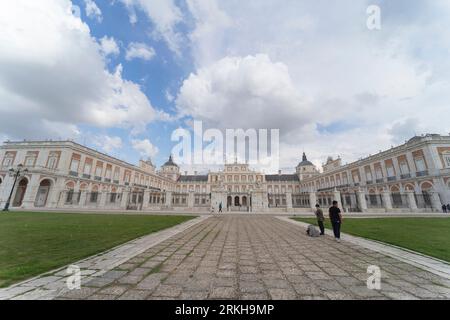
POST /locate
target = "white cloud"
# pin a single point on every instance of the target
(145, 147)
(137, 50)
(165, 16)
(109, 46)
(107, 143)
(353, 84)
(249, 92)
(92, 10)
(53, 74)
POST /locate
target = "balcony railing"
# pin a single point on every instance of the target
(116, 181)
(379, 180)
(73, 173)
(391, 178)
(107, 180)
(369, 182)
(86, 176)
(97, 178)
(405, 176)
(422, 173)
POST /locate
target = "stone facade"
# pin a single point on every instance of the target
(63, 174)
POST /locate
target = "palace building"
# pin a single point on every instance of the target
(414, 177)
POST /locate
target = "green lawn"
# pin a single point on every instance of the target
(430, 236)
(35, 242)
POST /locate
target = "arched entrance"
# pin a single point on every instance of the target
(244, 201)
(236, 201)
(229, 201)
(42, 194)
(20, 192)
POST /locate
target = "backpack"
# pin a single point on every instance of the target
(312, 231)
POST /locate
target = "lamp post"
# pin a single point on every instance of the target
(16, 173)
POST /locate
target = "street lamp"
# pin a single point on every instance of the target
(16, 173)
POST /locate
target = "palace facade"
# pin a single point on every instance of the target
(414, 177)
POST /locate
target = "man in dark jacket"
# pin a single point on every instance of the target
(336, 220)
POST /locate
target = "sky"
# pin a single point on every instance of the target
(121, 75)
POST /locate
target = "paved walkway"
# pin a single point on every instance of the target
(259, 257)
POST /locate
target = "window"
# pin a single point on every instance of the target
(390, 171)
(368, 176)
(420, 164)
(8, 160)
(116, 174)
(52, 161)
(98, 171)
(447, 160)
(379, 173)
(30, 159)
(404, 167)
(108, 173)
(87, 168)
(74, 165)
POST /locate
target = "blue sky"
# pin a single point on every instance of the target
(124, 74)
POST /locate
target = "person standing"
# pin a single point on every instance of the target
(320, 219)
(444, 208)
(448, 207)
(220, 207)
(336, 220)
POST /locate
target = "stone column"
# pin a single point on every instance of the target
(102, 203)
(169, 199)
(82, 202)
(289, 200)
(362, 200)
(436, 201)
(313, 200)
(386, 195)
(411, 200)
(337, 197)
(31, 192)
(191, 200)
(146, 199)
(55, 193)
(124, 201)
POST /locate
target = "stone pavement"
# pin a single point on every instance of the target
(258, 257)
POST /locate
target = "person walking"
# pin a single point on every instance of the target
(336, 220)
(448, 207)
(320, 219)
(220, 207)
(444, 208)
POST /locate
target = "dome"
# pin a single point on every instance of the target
(305, 162)
(170, 163)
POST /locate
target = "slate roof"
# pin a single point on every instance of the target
(282, 177)
(193, 178)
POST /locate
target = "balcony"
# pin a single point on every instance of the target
(116, 181)
(97, 178)
(380, 180)
(73, 173)
(391, 178)
(107, 180)
(369, 182)
(86, 176)
(422, 173)
(405, 176)
(127, 183)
